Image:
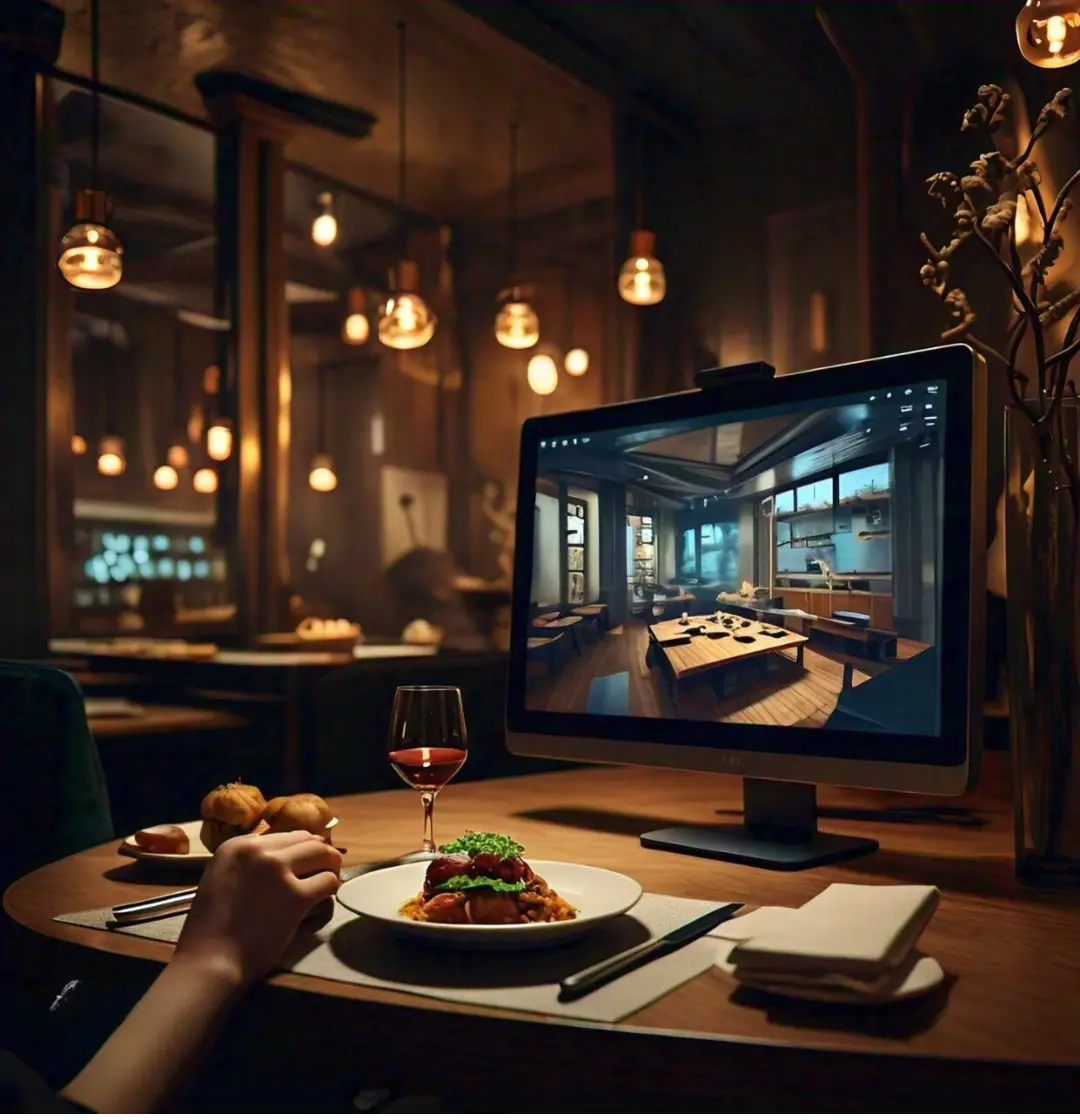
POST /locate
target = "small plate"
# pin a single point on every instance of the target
(198, 853)
(599, 895)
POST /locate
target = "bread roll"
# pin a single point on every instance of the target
(164, 839)
(302, 811)
(229, 810)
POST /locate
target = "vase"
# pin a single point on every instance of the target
(1043, 610)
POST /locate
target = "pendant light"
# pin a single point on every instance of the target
(111, 459)
(324, 227)
(516, 323)
(219, 435)
(91, 256)
(576, 360)
(641, 278)
(204, 481)
(321, 477)
(407, 323)
(356, 328)
(542, 373)
(166, 475)
(78, 445)
(1048, 32)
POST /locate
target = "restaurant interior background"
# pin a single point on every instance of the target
(219, 446)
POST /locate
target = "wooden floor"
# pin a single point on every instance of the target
(787, 697)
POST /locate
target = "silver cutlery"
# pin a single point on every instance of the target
(163, 905)
(589, 979)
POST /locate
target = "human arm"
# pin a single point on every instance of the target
(252, 898)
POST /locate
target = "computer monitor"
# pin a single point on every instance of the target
(779, 578)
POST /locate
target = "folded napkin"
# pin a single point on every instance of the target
(848, 942)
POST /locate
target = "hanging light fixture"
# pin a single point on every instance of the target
(321, 477)
(91, 256)
(78, 444)
(356, 328)
(641, 278)
(204, 481)
(407, 323)
(517, 325)
(576, 359)
(542, 374)
(324, 227)
(219, 439)
(1048, 32)
(166, 476)
(111, 458)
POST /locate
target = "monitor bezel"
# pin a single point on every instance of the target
(945, 764)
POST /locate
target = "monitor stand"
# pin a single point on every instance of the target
(779, 832)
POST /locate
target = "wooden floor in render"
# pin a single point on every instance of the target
(612, 677)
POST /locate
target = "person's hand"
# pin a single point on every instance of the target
(253, 895)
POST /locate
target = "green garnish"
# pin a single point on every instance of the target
(491, 843)
(472, 882)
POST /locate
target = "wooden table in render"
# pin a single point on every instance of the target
(714, 646)
(1000, 1034)
(159, 719)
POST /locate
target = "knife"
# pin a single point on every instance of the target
(162, 904)
(588, 980)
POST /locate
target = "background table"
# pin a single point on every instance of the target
(1002, 1033)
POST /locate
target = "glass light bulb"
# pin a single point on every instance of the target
(205, 481)
(576, 362)
(517, 325)
(177, 456)
(542, 374)
(1048, 32)
(321, 477)
(78, 445)
(641, 281)
(324, 229)
(356, 328)
(111, 459)
(91, 257)
(219, 440)
(407, 322)
(166, 478)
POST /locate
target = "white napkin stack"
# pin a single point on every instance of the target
(848, 944)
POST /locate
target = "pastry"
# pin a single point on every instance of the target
(164, 839)
(302, 811)
(229, 810)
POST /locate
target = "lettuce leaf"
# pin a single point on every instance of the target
(474, 882)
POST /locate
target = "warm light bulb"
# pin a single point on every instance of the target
(321, 476)
(407, 323)
(219, 440)
(324, 227)
(91, 257)
(542, 374)
(576, 362)
(166, 478)
(205, 481)
(177, 456)
(78, 445)
(641, 279)
(111, 460)
(1022, 220)
(356, 329)
(1048, 32)
(516, 324)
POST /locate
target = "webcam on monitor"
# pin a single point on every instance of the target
(774, 577)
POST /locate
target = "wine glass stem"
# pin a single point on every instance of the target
(428, 800)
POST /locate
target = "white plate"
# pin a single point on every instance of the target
(198, 851)
(598, 895)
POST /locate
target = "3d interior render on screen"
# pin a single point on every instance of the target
(769, 567)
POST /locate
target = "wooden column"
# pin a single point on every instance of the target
(256, 378)
(32, 421)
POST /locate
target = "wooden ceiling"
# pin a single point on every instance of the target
(466, 82)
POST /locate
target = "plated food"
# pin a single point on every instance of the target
(232, 809)
(481, 879)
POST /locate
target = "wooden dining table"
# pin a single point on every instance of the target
(1002, 1033)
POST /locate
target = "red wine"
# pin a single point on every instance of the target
(428, 768)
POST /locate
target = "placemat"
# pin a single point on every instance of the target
(357, 951)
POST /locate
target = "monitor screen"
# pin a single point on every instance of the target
(727, 566)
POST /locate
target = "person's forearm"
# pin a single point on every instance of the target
(164, 1035)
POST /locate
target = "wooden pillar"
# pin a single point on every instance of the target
(256, 387)
(31, 421)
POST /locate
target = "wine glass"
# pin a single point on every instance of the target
(428, 743)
